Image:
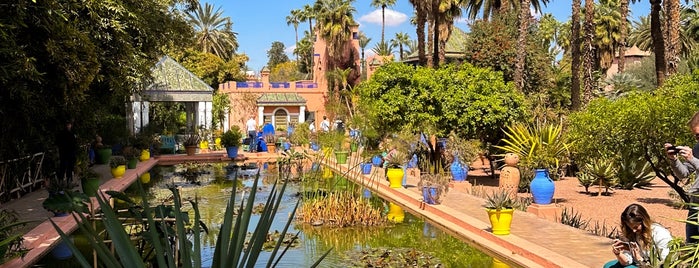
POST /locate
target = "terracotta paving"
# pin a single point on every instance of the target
(534, 242)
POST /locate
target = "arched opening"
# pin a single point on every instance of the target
(281, 118)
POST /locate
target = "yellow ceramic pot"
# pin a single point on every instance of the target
(119, 171)
(204, 145)
(145, 155)
(501, 220)
(145, 178)
(395, 213)
(395, 177)
(327, 173)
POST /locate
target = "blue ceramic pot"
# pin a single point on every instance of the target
(413, 161)
(542, 187)
(315, 147)
(458, 172)
(377, 161)
(366, 168)
(429, 195)
(232, 152)
(366, 193)
(62, 251)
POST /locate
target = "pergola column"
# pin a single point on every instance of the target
(302, 113)
(260, 115)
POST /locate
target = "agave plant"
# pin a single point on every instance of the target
(231, 248)
(634, 172)
(586, 181)
(602, 169)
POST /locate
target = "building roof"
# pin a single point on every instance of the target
(454, 47)
(173, 82)
(635, 51)
(281, 99)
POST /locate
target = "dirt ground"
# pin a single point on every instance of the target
(606, 209)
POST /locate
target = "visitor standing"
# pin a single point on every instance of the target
(639, 235)
(67, 143)
(325, 125)
(682, 169)
(251, 126)
(312, 126)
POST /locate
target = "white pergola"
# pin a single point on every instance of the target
(174, 83)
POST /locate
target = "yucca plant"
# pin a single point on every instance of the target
(538, 145)
(602, 169)
(231, 247)
(586, 181)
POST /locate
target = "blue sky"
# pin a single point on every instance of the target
(261, 22)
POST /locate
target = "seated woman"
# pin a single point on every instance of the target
(640, 234)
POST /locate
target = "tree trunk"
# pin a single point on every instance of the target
(623, 35)
(656, 33)
(524, 14)
(430, 41)
(589, 52)
(672, 46)
(575, 57)
(420, 29)
(383, 22)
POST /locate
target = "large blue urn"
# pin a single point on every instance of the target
(542, 187)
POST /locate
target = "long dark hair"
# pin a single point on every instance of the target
(636, 214)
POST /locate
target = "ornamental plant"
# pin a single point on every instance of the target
(232, 137)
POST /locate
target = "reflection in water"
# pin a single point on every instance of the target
(395, 213)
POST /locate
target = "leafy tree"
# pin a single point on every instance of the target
(399, 40)
(284, 72)
(221, 106)
(276, 54)
(637, 125)
(383, 49)
(304, 50)
(213, 69)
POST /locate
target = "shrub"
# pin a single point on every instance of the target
(232, 137)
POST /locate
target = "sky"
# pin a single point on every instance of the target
(261, 22)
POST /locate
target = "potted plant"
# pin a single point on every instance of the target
(433, 186)
(366, 163)
(500, 208)
(144, 142)
(461, 152)
(271, 141)
(102, 152)
(132, 155)
(231, 140)
(301, 135)
(118, 165)
(191, 143)
(395, 160)
(90, 182)
(65, 201)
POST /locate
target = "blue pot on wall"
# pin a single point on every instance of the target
(542, 187)
(232, 152)
(429, 195)
(366, 168)
(413, 161)
(62, 251)
(458, 171)
(315, 147)
(377, 161)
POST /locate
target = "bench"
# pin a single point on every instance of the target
(168, 144)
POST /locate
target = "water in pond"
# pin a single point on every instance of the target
(401, 241)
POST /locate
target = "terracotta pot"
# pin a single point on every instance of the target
(191, 150)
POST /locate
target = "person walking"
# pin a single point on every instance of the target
(67, 143)
(682, 169)
(325, 124)
(251, 126)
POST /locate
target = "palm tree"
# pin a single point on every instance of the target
(383, 4)
(656, 33)
(672, 46)
(383, 49)
(363, 43)
(421, 19)
(524, 16)
(213, 31)
(294, 19)
(335, 22)
(575, 57)
(640, 34)
(493, 7)
(607, 32)
(588, 53)
(623, 33)
(399, 40)
(308, 14)
(448, 11)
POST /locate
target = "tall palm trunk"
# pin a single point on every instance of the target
(656, 33)
(524, 14)
(421, 15)
(430, 40)
(589, 52)
(575, 57)
(672, 44)
(383, 22)
(623, 34)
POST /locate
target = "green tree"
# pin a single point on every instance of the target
(421, 9)
(363, 43)
(383, 4)
(212, 69)
(220, 107)
(294, 19)
(214, 32)
(399, 41)
(276, 54)
(304, 50)
(284, 72)
(383, 49)
(335, 24)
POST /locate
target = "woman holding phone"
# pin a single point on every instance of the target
(639, 236)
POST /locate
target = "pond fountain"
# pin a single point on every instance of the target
(405, 241)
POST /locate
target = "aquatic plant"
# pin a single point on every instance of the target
(340, 209)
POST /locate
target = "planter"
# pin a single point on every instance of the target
(341, 157)
(204, 145)
(500, 220)
(232, 151)
(430, 195)
(119, 171)
(102, 156)
(366, 168)
(353, 147)
(327, 173)
(286, 146)
(90, 186)
(191, 149)
(395, 177)
(377, 161)
(62, 251)
(366, 193)
(132, 163)
(458, 171)
(542, 187)
(271, 148)
(395, 213)
(413, 162)
(315, 147)
(145, 155)
(145, 178)
(315, 166)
